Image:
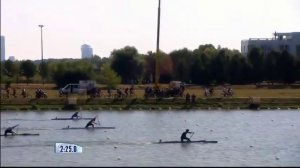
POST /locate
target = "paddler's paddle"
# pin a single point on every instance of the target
(17, 130)
(98, 122)
(192, 135)
(15, 126)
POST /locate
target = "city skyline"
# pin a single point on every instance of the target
(114, 24)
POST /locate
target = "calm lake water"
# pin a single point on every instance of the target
(245, 138)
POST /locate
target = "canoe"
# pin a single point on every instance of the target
(90, 128)
(21, 134)
(71, 118)
(200, 141)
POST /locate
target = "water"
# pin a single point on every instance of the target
(245, 138)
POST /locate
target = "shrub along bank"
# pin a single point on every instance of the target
(77, 103)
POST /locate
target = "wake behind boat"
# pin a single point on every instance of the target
(90, 128)
(21, 134)
(200, 141)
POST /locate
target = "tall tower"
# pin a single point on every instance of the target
(86, 51)
(157, 74)
(2, 49)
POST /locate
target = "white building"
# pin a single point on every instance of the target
(2, 48)
(86, 51)
(280, 42)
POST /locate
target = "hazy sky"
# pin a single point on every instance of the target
(112, 24)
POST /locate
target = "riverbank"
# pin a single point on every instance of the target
(77, 103)
(244, 97)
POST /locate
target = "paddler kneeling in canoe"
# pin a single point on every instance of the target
(91, 123)
(75, 115)
(10, 130)
(183, 135)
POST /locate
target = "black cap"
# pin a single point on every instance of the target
(187, 130)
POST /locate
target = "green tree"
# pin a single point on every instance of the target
(109, 77)
(165, 67)
(256, 60)
(65, 72)
(9, 68)
(201, 66)
(182, 61)
(2, 75)
(28, 69)
(235, 70)
(125, 63)
(149, 67)
(207, 47)
(271, 66)
(198, 73)
(219, 67)
(287, 67)
(298, 69)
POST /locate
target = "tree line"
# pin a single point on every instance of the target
(204, 65)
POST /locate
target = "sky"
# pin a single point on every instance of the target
(106, 25)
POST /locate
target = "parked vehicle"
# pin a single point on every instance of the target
(176, 84)
(82, 87)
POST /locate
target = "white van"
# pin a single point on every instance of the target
(175, 84)
(72, 88)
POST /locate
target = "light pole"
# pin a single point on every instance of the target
(42, 63)
(157, 48)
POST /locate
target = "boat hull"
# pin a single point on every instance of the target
(71, 118)
(200, 141)
(90, 128)
(23, 134)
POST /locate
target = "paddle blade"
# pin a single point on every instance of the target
(15, 126)
(192, 135)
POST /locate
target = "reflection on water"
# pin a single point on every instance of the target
(245, 138)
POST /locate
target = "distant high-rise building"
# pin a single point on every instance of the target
(281, 41)
(2, 49)
(86, 51)
(12, 58)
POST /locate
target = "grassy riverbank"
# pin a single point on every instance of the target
(264, 98)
